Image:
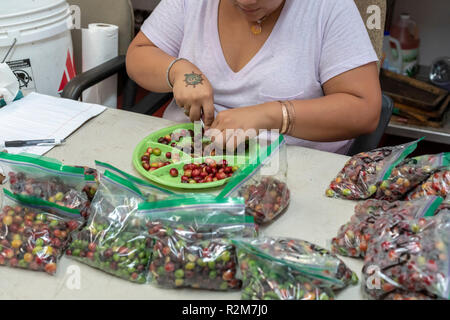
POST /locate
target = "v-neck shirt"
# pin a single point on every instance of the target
(311, 42)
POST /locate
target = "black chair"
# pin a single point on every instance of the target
(153, 101)
(149, 105)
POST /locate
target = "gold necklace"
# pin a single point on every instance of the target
(257, 27)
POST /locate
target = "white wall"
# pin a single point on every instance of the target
(433, 19)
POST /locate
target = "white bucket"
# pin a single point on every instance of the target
(42, 58)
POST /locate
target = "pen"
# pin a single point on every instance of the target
(27, 143)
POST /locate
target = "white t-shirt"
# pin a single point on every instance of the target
(312, 42)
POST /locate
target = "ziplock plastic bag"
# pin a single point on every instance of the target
(407, 295)
(30, 236)
(191, 246)
(110, 242)
(410, 173)
(264, 278)
(47, 179)
(324, 268)
(363, 172)
(354, 237)
(411, 255)
(437, 185)
(263, 184)
(150, 191)
(91, 181)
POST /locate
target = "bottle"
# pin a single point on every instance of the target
(405, 42)
(387, 61)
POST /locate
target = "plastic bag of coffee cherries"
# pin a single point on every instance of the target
(354, 237)
(192, 247)
(149, 191)
(266, 278)
(47, 179)
(263, 183)
(363, 172)
(408, 295)
(324, 268)
(410, 173)
(91, 178)
(111, 240)
(410, 255)
(34, 233)
(438, 184)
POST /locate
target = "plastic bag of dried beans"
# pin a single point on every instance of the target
(47, 179)
(438, 184)
(354, 237)
(410, 173)
(410, 255)
(112, 240)
(192, 247)
(324, 268)
(263, 183)
(363, 172)
(34, 233)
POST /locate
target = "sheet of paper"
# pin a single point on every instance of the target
(40, 116)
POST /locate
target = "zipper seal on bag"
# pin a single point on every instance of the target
(249, 171)
(41, 204)
(135, 180)
(431, 207)
(122, 183)
(408, 150)
(51, 167)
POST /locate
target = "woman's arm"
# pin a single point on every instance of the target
(147, 65)
(351, 107)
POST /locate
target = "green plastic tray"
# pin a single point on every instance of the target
(162, 176)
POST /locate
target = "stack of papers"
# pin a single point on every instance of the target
(39, 116)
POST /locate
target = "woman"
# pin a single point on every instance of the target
(305, 67)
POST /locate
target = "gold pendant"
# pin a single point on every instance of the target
(256, 29)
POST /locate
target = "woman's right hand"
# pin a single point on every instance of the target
(192, 92)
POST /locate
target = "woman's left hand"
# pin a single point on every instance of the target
(233, 126)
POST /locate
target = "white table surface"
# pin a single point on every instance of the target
(111, 137)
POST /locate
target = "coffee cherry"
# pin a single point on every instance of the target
(50, 268)
(157, 152)
(188, 173)
(7, 220)
(174, 172)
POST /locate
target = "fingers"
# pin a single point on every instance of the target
(234, 138)
(187, 109)
(219, 140)
(208, 113)
(195, 112)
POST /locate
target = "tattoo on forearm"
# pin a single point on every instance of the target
(193, 79)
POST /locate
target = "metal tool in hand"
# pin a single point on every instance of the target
(9, 50)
